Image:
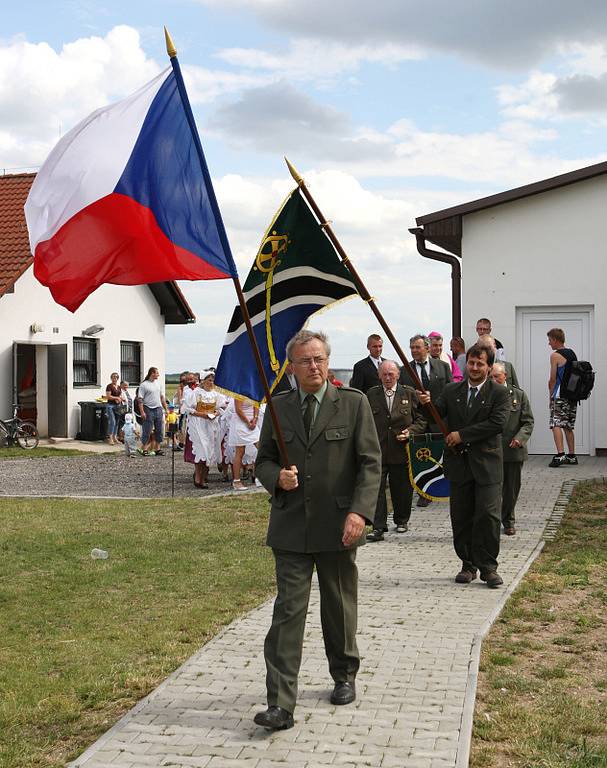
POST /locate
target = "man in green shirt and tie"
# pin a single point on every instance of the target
(320, 506)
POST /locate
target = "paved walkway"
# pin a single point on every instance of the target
(419, 636)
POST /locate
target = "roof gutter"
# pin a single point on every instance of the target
(456, 277)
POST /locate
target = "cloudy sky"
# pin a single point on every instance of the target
(390, 110)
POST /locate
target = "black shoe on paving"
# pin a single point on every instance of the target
(402, 528)
(274, 718)
(492, 578)
(375, 535)
(343, 693)
(422, 501)
(465, 576)
(571, 459)
(558, 460)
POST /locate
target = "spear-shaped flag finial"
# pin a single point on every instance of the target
(171, 50)
(293, 172)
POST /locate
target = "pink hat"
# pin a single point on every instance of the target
(434, 334)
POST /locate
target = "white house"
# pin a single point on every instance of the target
(52, 359)
(534, 258)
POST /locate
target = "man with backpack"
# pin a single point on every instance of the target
(562, 410)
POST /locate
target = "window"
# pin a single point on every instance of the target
(85, 363)
(130, 361)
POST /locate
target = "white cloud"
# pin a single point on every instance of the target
(279, 119)
(579, 87)
(206, 85)
(44, 92)
(311, 59)
(513, 35)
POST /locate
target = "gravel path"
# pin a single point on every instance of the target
(112, 475)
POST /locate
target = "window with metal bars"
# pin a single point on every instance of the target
(130, 361)
(85, 363)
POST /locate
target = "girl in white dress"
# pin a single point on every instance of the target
(244, 431)
(203, 407)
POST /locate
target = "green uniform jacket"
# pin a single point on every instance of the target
(519, 425)
(479, 427)
(406, 413)
(339, 470)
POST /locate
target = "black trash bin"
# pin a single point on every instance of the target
(93, 421)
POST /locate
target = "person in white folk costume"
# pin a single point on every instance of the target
(203, 406)
(243, 436)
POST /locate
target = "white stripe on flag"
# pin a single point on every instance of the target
(87, 163)
(280, 306)
(293, 272)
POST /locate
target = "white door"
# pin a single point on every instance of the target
(533, 367)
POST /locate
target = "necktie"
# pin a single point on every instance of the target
(308, 414)
(472, 396)
(389, 398)
(424, 376)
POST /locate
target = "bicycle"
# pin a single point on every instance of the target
(15, 430)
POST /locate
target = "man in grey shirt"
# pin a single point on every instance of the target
(152, 407)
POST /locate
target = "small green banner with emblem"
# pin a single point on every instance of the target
(425, 453)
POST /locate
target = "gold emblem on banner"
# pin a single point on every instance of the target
(268, 258)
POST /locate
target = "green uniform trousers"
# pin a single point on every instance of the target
(510, 491)
(475, 521)
(401, 494)
(338, 585)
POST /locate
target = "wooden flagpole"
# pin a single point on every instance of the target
(364, 293)
(282, 447)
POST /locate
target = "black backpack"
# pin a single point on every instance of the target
(577, 382)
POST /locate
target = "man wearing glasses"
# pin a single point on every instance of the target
(320, 506)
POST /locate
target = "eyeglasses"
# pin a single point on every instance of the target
(307, 361)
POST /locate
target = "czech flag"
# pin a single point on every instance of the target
(126, 198)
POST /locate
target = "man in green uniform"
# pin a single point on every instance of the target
(517, 432)
(397, 415)
(475, 411)
(320, 506)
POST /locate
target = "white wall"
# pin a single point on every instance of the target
(545, 250)
(126, 313)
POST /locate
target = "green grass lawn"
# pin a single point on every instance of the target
(542, 693)
(82, 640)
(15, 452)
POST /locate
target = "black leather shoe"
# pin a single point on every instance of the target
(465, 576)
(422, 501)
(375, 535)
(275, 719)
(343, 693)
(493, 579)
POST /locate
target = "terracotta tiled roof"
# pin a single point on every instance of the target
(15, 255)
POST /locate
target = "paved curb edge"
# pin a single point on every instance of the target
(465, 739)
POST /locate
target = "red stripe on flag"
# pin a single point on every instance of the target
(114, 240)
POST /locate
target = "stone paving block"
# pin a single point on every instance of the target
(170, 749)
(323, 757)
(109, 755)
(102, 764)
